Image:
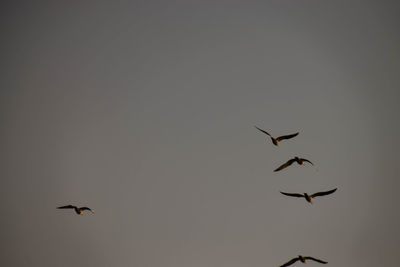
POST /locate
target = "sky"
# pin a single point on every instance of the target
(145, 112)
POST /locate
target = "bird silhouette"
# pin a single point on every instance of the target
(300, 161)
(303, 260)
(78, 210)
(276, 141)
(308, 197)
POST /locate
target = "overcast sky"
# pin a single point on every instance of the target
(145, 112)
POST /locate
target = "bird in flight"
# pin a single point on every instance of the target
(276, 141)
(300, 161)
(303, 260)
(78, 210)
(308, 197)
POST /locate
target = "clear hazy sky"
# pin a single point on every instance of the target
(145, 112)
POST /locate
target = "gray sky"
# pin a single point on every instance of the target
(145, 111)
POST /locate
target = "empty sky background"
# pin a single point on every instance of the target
(145, 112)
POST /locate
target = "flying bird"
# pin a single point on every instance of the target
(276, 141)
(77, 209)
(300, 161)
(308, 197)
(303, 260)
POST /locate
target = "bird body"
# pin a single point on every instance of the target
(303, 260)
(309, 198)
(276, 141)
(78, 210)
(299, 161)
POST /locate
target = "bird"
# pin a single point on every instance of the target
(300, 161)
(303, 260)
(308, 197)
(276, 141)
(78, 210)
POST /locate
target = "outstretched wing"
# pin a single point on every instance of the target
(67, 207)
(86, 208)
(308, 161)
(286, 136)
(263, 131)
(318, 194)
(290, 262)
(292, 194)
(288, 163)
(317, 260)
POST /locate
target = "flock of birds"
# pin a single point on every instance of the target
(308, 198)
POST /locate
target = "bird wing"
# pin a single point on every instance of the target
(290, 262)
(67, 207)
(288, 163)
(308, 161)
(318, 194)
(317, 260)
(263, 131)
(286, 136)
(292, 194)
(86, 208)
